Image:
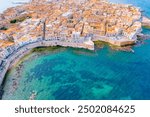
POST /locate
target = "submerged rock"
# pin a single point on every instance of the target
(125, 48)
(143, 36)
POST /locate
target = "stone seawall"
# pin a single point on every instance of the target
(114, 41)
(21, 52)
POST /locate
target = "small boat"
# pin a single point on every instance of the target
(33, 95)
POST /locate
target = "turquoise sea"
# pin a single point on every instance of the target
(76, 74)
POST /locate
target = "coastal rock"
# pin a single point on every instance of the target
(125, 49)
(146, 21)
(116, 42)
(143, 36)
(1, 92)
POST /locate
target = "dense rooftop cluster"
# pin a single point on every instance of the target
(69, 19)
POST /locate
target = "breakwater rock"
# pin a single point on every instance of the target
(146, 21)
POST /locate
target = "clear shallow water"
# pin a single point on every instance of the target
(67, 73)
